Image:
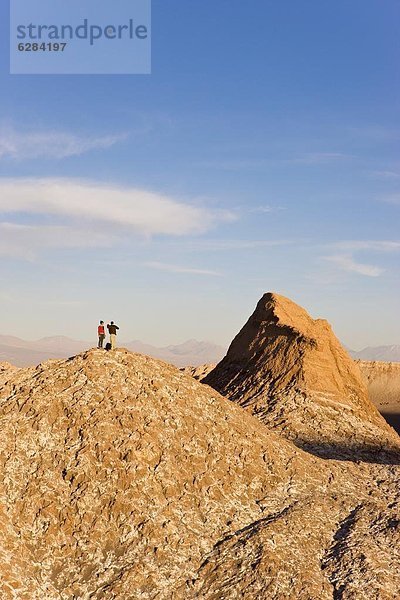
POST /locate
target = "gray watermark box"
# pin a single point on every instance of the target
(80, 37)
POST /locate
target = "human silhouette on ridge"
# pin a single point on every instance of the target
(112, 330)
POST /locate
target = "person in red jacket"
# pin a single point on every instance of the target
(101, 333)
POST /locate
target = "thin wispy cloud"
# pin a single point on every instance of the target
(393, 199)
(237, 164)
(376, 133)
(126, 208)
(267, 209)
(343, 257)
(386, 174)
(28, 241)
(180, 269)
(317, 158)
(348, 263)
(262, 163)
(372, 245)
(214, 245)
(22, 145)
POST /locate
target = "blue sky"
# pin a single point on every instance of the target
(261, 154)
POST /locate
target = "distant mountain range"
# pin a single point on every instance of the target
(191, 352)
(381, 353)
(22, 353)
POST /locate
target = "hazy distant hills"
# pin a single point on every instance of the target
(381, 353)
(24, 353)
(191, 352)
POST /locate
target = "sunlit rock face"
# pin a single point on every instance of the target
(199, 372)
(291, 372)
(383, 383)
(6, 370)
(124, 478)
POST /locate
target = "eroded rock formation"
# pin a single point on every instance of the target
(124, 478)
(383, 383)
(199, 373)
(120, 475)
(291, 372)
(6, 371)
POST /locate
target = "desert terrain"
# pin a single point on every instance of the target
(383, 384)
(125, 478)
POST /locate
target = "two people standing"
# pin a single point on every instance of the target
(112, 330)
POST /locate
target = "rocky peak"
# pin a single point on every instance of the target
(123, 477)
(291, 371)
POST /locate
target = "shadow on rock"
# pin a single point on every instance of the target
(354, 453)
(393, 419)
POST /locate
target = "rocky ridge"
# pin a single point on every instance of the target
(124, 478)
(6, 370)
(199, 373)
(120, 473)
(381, 379)
(291, 372)
(383, 383)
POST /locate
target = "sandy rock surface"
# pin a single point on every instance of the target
(383, 383)
(6, 371)
(120, 473)
(291, 372)
(200, 372)
(124, 478)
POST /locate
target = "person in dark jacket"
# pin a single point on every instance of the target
(112, 330)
